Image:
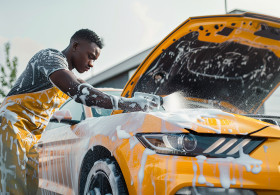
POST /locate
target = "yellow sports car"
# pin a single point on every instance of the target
(213, 137)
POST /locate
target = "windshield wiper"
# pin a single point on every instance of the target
(265, 118)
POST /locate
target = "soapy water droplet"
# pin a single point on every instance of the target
(265, 148)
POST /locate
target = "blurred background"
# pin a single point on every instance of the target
(126, 26)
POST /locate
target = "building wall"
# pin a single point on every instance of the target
(118, 81)
(118, 75)
(272, 105)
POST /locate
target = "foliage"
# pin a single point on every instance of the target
(8, 72)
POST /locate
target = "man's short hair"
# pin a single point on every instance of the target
(88, 35)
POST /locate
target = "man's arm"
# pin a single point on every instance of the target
(84, 93)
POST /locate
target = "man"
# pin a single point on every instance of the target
(44, 85)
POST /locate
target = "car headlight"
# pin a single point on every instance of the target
(188, 144)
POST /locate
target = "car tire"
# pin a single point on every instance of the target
(105, 177)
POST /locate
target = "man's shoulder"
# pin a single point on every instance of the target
(50, 52)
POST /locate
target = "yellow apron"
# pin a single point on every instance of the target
(24, 118)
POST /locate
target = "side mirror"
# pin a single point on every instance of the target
(61, 115)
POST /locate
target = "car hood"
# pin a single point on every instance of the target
(215, 121)
(209, 121)
(231, 60)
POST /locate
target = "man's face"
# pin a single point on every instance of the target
(83, 55)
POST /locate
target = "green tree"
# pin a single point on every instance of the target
(8, 72)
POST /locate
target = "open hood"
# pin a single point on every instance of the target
(231, 60)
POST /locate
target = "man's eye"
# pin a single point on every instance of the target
(91, 57)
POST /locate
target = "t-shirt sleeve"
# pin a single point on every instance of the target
(52, 61)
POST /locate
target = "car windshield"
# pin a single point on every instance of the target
(231, 76)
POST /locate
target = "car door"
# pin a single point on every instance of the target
(57, 151)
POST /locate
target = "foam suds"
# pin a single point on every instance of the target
(225, 164)
(143, 162)
(194, 178)
(174, 101)
(61, 114)
(200, 161)
(133, 141)
(122, 134)
(188, 118)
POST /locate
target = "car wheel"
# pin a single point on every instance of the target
(105, 177)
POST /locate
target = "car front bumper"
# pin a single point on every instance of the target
(146, 172)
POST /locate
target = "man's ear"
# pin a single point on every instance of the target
(74, 45)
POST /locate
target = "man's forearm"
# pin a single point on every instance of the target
(84, 93)
(88, 95)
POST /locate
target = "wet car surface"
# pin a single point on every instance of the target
(219, 142)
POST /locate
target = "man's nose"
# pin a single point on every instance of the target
(91, 63)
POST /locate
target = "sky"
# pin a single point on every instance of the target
(126, 26)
